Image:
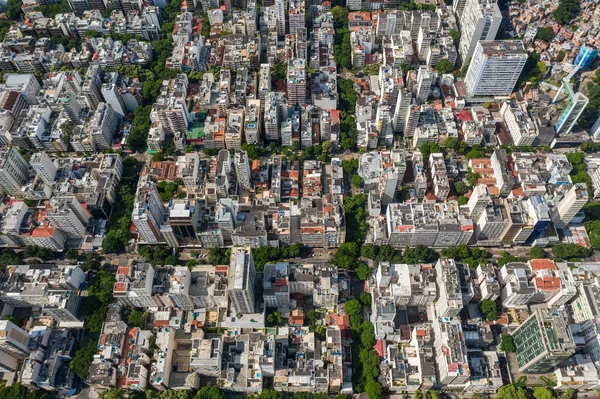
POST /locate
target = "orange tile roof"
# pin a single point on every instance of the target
(120, 287)
(43, 231)
(364, 16)
(547, 283)
(542, 264)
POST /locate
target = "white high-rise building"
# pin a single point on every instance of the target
(44, 167)
(14, 170)
(458, 6)
(252, 122)
(297, 19)
(576, 105)
(280, 12)
(595, 130)
(478, 201)
(13, 340)
(450, 299)
(242, 168)
(570, 205)
(242, 277)
(264, 83)
(522, 128)
(272, 115)
(425, 78)
(67, 215)
(401, 110)
(148, 211)
(110, 92)
(479, 21)
(296, 81)
(493, 224)
(495, 67)
(103, 125)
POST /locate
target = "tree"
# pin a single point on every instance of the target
(352, 307)
(511, 391)
(474, 153)
(444, 66)
(137, 319)
(433, 394)
(545, 34)
(347, 95)
(450, 143)
(472, 178)
(365, 298)
(568, 394)
(275, 319)
(543, 393)
(210, 392)
(460, 187)
(363, 272)
(560, 56)
(350, 166)
(373, 389)
(566, 11)
(114, 393)
(537, 253)
(507, 343)
(569, 251)
(115, 241)
(346, 256)
(158, 157)
(13, 10)
(367, 335)
(386, 253)
(505, 258)
(455, 35)
(371, 69)
(488, 308)
(418, 254)
(270, 394)
(463, 71)
(462, 200)
(427, 148)
(368, 251)
(72, 254)
(171, 260)
(312, 316)
(217, 256)
(102, 286)
(357, 181)
(418, 394)
(82, 359)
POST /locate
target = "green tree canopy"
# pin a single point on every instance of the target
(352, 307)
(365, 298)
(507, 343)
(566, 11)
(460, 187)
(545, 34)
(537, 253)
(137, 319)
(543, 393)
(569, 251)
(444, 66)
(210, 392)
(363, 272)
(511, 391)
(357, 181)
(488, 308)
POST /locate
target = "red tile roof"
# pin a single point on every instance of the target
(542, 264)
